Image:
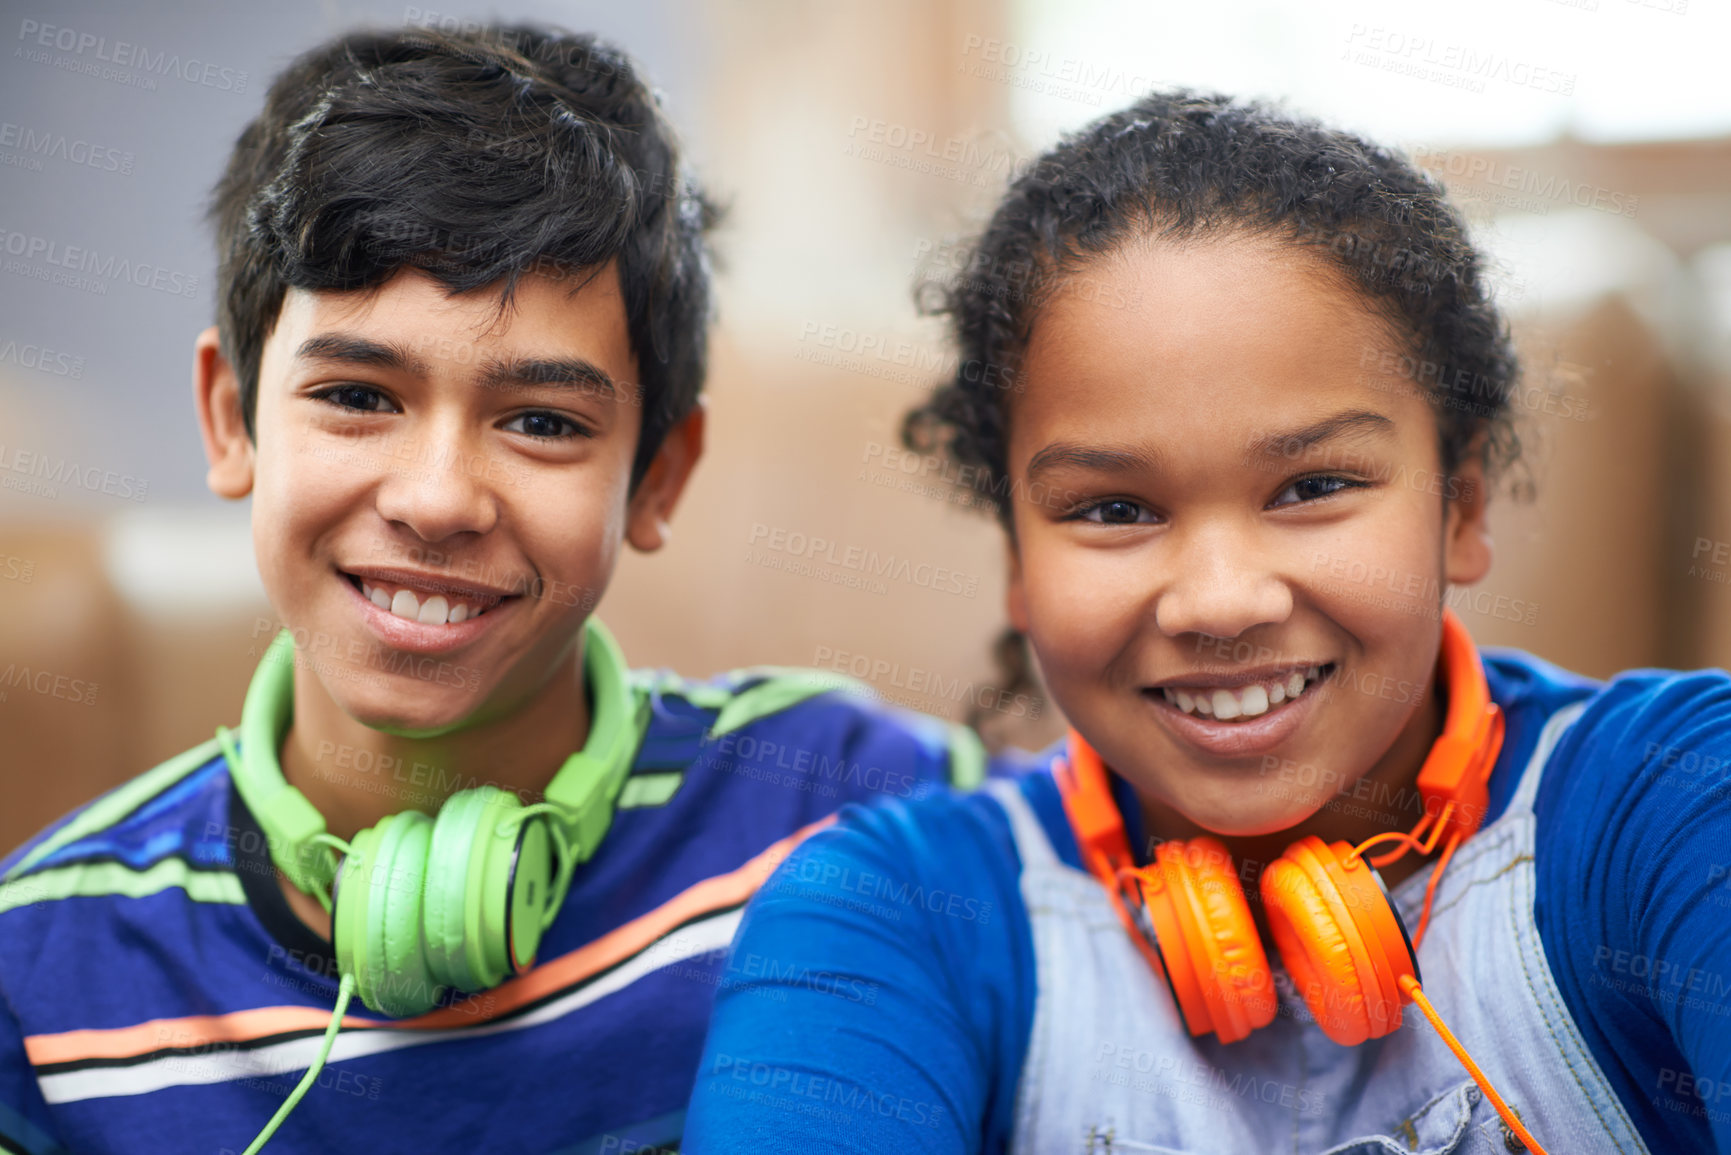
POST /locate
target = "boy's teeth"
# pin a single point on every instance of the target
(1249, 701)
(437, 610)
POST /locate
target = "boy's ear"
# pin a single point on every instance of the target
(646, 525)
(1466, 526)
(216, 393)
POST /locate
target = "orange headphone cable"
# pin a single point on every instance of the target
(1430, 889)
(1416, 993)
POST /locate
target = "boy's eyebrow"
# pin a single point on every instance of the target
(524, 372)
(1352, 421)
(1063, 453)
(519, 372)
(352, 350)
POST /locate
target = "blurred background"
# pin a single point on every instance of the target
(859, 143)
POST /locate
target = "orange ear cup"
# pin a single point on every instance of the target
(1340, 938)
(1208, 942)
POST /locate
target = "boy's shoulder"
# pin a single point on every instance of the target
(170, 827)
(142, 836)
(802, 722)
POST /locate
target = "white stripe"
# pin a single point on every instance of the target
(294, 1055)
(1031, 841)
(1558, 722)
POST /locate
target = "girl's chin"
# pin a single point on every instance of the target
(1229, 819)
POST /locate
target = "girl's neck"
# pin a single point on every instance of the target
(1385, 798)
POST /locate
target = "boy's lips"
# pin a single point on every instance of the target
(485, 608)
(1238, 738)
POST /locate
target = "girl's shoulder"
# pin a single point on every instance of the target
(1622, 734)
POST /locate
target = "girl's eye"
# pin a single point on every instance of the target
(1114, 512)
(361, 398)
(545, 426)
(1312, 488)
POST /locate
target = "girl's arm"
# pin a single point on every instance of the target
(878, 994)
(1633, 904)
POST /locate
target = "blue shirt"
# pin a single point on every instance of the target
(917, 905)
(157, 994)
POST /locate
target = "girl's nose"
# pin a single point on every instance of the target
(1221, 585)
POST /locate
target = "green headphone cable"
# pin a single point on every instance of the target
(343, 992)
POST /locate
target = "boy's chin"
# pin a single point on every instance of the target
(412, 711)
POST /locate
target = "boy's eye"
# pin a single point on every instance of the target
(1115, 512)
(362, 398)
(543, 425)
(1312, 488)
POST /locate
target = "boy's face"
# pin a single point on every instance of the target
(440, 489)
(1218, 490)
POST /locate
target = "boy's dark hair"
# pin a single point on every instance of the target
(477, 157)
(1184, 165)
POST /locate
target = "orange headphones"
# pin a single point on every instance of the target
(1340, 937)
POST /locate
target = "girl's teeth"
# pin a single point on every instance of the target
(437, 610)
(1250, 702)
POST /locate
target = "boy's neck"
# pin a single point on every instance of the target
(354, 775)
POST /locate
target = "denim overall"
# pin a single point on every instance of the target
(1111, 1068)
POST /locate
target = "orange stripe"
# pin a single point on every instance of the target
(617, 945)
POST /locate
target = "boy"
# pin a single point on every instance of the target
(463, 289)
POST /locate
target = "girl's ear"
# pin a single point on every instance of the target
(1015, 593)
(216, 393)
(1466, 528)
(646, 525)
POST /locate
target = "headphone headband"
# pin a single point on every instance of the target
(584, 790)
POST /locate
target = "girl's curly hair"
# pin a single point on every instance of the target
(1186, 165)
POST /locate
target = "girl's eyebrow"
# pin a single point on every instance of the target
(1353, 422)
(1065, 453)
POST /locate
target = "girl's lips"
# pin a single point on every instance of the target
(1235, 739)
(413, 637)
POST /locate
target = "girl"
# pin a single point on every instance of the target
(1260, 392)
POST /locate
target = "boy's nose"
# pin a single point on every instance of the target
(438, 488)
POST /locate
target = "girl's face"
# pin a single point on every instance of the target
(1232, 535)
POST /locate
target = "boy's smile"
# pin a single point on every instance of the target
(1191, 473)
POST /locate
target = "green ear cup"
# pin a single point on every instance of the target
(468, 889)
(531, 880)
(377, 922)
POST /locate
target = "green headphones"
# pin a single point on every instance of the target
(420, 904)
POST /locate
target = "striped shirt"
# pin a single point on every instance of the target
(158, 994)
